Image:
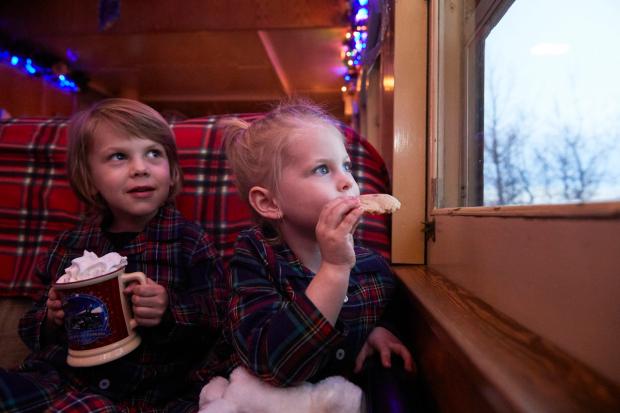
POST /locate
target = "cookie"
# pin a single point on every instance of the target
(379, 203)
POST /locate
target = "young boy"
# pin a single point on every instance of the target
(122, 162)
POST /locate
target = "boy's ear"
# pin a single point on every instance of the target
(263, 202)
(174, 179)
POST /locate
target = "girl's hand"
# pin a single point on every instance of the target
(386, 343)
(55, 314)
(328, 288)
(150, 302)
(334, 231)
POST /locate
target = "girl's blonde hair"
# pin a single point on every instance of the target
(136, 120)
(257, 151)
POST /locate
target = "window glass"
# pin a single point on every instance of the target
(539, 94)
(552, 103)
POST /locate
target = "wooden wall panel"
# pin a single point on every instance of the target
(22, 95)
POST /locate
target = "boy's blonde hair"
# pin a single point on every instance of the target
(257, 151)
(135, 119)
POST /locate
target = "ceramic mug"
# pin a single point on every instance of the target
(98, 318)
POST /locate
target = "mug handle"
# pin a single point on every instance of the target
(126, 279)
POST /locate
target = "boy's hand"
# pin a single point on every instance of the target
(149, 301)
(55, 314)
(334, 231)
(386, 343)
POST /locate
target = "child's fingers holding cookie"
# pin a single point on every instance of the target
(336, 211)
(333, 231)
(351, 215)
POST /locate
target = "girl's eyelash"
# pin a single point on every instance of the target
(347, 166)
(320, 168)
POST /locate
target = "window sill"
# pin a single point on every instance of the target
(574, 211)
(471, 355)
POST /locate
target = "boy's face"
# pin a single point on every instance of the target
(317, 170)
(132, 174)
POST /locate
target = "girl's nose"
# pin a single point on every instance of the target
(346, 182)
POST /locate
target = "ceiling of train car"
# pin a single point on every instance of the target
(195, 56)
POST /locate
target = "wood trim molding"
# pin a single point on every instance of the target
(409, 143)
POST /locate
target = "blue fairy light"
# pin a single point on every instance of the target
(67, 84)
(30, 67)
(71, 55)
(362, 14)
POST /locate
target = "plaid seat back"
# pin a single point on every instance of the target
(36, 201)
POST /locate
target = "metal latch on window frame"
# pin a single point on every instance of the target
(429, 230)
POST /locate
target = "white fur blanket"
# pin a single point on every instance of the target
(245, 393)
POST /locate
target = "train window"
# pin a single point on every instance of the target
(530, 103)
(537, 80)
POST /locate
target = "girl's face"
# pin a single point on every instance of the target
(132, 174)
(318, 170)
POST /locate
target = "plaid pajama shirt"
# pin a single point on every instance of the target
(172, 252)
(277, 331)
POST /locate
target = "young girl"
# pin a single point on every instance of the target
(306, 303)
(122, 162)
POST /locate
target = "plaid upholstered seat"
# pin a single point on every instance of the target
(36, 202)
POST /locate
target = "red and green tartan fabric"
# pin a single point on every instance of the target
(37, 203)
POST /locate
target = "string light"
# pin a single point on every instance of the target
(57, 74)
(354, 44)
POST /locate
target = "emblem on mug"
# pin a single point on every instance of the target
(87, 320)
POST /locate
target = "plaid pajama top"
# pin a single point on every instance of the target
(278, 333)
(174, 253)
